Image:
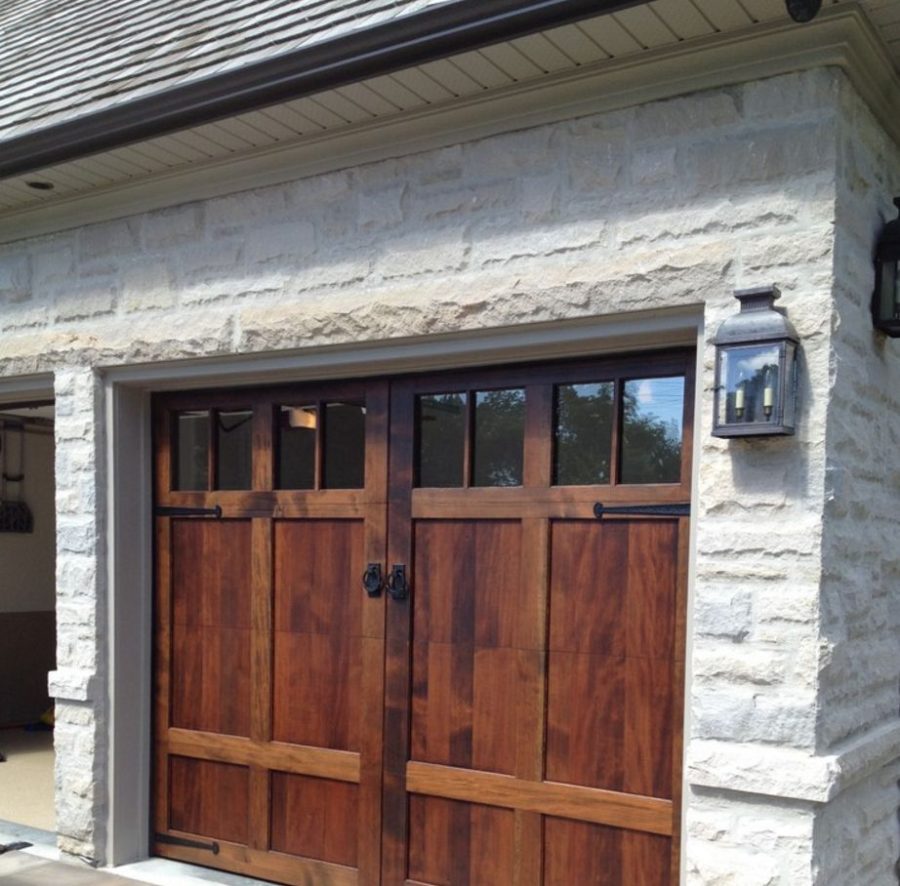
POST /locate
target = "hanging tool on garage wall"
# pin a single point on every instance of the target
(15, 515)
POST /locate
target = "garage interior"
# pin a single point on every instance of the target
(27, 614)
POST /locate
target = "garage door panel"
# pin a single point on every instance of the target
(465, 707)
(210, 630)
(315, 818)
(586, 720)
(467, 575)
(452, 842)
(596, 855)
(588, 563)
(318, 633)
(465, 665)
(317, 568)
(209, 799)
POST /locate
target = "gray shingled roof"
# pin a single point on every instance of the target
(62, 59)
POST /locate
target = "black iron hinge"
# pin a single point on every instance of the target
(676, 510)
(164, 511)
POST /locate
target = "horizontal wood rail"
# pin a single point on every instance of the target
(278, 866)
(295, 759)
(614, 808)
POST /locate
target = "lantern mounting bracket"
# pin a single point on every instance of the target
(803, 10)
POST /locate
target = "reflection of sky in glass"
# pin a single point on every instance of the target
(661, 400)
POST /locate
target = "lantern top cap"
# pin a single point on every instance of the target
(758, 320)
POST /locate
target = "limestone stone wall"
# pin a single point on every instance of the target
(667, 204)
(858, 837)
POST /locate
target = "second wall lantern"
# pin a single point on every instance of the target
(756, 369)
(886, 298)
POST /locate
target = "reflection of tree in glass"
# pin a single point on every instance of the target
(583, 434)
(651, 445)
(499, 437)
(442, 426)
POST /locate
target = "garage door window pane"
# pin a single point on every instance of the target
(235, 456)
(499, 437)
(441, 434)
(345, 446)
(297, 447)
(584, 423)
(652, 418)
(192, 450)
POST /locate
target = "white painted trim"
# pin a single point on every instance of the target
(696, 456)
(129, 614)
(841, 36)
(553, 340)
(130, 496)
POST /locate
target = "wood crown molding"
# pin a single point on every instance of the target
(841, 37)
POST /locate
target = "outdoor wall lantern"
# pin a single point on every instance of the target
(756, 369)
(886, 298)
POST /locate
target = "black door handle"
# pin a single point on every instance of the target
(397, 585)
(373, 580)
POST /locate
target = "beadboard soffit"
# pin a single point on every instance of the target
(841, 37)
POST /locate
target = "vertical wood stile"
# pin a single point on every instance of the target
(615, 451)
(532, 706)
(372, 712)
(212, 463)
(398, 626)
(263, 446)
(162, 654)
(162, 462)
(469, 440)
(319, 469)
(532, 626)
(260, 674)
(679, 653)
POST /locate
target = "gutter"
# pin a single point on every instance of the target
(433, 34)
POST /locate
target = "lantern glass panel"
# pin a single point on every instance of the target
(790, 384)
(889, 297)
(750, 377)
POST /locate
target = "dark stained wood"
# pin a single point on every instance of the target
(208, 799)
(398, 628)
(162, 658)
(276, 866)
(615, 808)
(593, 855)
(465, 668)
(321, 762)
(373, 631)
(679, 657)
(318, 612)
(612, 617)
(456, 844)
(315, 818)
(211, 616)
(517, 720)
(270, 658)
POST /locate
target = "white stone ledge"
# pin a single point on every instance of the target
(790, 773)
(72, 684)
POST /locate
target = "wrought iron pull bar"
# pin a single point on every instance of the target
(215, 512)
(190, 844)
(678, 510)
(397, 585)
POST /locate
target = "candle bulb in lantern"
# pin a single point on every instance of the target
(768, 394)
(739, 395)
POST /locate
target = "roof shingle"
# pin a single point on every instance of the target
(60, 60)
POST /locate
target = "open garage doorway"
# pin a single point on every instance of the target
(27, 614)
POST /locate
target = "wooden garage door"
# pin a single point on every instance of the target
(505, 706)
